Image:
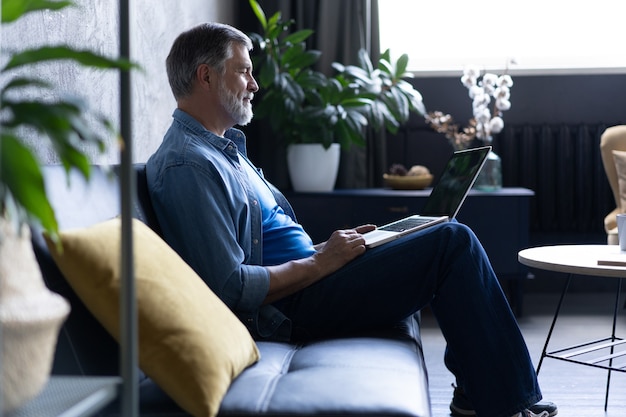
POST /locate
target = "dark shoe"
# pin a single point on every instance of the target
(528, 413)
(461, 406)
(547, 406)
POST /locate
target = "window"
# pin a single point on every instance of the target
(542, 36)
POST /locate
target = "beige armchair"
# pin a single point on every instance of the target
(613, 139)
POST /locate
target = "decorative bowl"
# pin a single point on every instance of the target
(408, 182)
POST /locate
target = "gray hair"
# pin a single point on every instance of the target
(208, 43)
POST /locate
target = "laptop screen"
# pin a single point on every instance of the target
(457, 178)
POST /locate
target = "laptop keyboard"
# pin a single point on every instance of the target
(405, 224)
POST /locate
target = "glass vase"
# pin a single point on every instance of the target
(490, 177)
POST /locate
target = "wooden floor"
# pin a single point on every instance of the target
(578, 390)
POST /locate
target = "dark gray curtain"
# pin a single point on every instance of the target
(341, 28)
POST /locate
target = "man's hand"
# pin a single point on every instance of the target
(342, 247)
(359, 229)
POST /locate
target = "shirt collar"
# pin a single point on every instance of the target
(231, 135)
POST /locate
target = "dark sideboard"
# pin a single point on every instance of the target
(500, 219)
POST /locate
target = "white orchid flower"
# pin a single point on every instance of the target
(496, 125)
(475, 91)
(503, 104)
(490, 79)
(471, 71)
(489, 89)
(502, 93)
(481, 100)
(505, 81)
(469, 81)
(482, 126)
(482, 115)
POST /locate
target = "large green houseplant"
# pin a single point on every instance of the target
(305, 106)
(30, 315)
(61, 121)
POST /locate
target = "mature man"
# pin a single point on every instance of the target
(235, 229)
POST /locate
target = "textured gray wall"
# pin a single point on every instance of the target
(94, 25)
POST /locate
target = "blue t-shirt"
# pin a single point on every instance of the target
(283, 239)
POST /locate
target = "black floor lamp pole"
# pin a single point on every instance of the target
(128, 308)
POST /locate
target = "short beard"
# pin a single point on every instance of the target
(241, 114)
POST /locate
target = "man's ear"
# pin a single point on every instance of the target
(203, 75)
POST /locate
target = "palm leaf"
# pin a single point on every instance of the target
(14, 9)
(64, 52)
(258, 12)
(20, 173)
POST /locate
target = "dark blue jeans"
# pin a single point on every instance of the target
(447, 268)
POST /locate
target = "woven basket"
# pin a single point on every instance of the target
(408, 182)
(31, 317)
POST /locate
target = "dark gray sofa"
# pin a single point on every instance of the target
(376, 374)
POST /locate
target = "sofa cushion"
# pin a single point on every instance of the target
(355, 375)
(190, 343)
(351, 376)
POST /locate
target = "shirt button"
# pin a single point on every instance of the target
(255, 241)
(255, 202)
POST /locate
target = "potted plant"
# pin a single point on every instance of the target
(30, 315)
(306, 107)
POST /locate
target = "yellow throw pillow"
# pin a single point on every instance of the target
(190, 343)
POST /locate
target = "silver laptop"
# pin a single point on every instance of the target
(444, 201)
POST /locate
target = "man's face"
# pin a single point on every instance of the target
(237, 86)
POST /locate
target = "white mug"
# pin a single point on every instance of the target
(621, 231)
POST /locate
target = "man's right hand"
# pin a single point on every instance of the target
(342, 247)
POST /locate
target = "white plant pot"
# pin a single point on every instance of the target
(30, 316)
(312, 168)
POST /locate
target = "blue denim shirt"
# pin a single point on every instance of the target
(209, 214)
